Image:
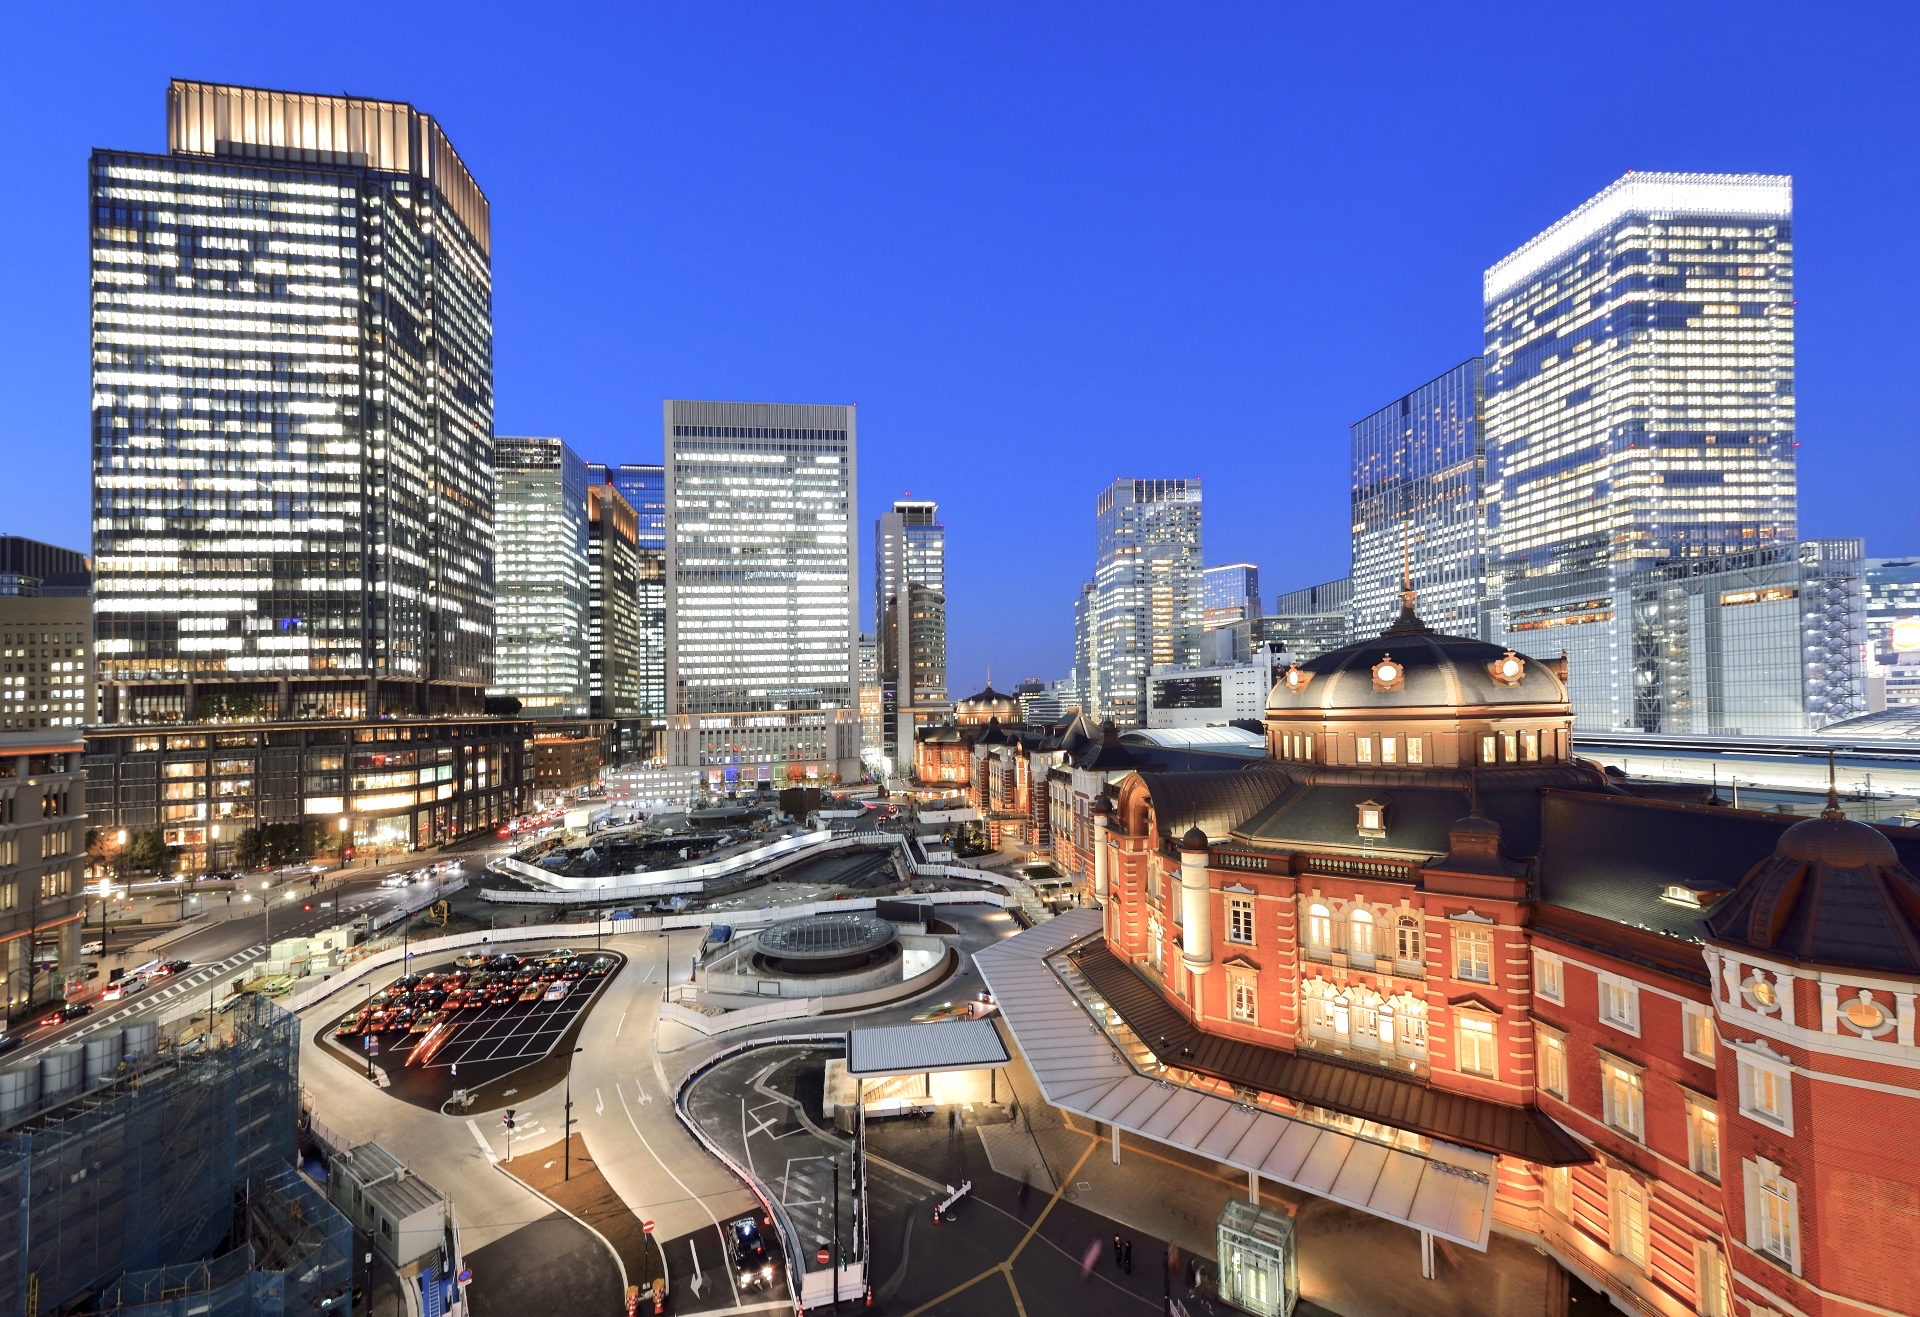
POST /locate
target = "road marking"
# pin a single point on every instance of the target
(481, 1139)
(599, 1104)
(623, 1024)
(731, 1280)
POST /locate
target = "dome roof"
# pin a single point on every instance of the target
(1833, 891)
(1424, 669)
(985, 698)
(1194, 840)
(1842, 843)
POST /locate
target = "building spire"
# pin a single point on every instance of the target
(1408, 621)
(1832, 811)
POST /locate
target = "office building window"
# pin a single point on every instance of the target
(1549, 977)
(1697, 1032)
(1240, 921)
(1703, 1135)
(1621, 1097)
(1551, 1044)
(1472, 953)
(1766, 1092)
(1474, 1044)
(1773, 1213)
(1620, 1003)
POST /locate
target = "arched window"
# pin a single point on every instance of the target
(1360, 934)
(1319, 927)
(1407, 944)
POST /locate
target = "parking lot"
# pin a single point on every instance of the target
(448, 1026)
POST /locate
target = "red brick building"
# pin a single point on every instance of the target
(1683, 1034)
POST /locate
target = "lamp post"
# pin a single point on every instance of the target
(566, 1170)
(366, 1037)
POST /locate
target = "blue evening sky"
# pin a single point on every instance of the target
(1041, 246)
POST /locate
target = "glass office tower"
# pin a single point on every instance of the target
(1639, 409)
(761, 641)
(541, 577)
(1147, 604)
(1419, 502)
(1230, 594)
(613, 612)
(910, 556)
(909, 544)
(644, 488)
(292, 345)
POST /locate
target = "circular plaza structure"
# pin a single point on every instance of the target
(826, 945)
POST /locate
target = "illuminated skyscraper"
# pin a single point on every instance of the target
(1420, 501)
(1147, 604)
(643, 485)
(910, 552)
(292, 344)
(1639, 409)
(762, 681)
(541, 570)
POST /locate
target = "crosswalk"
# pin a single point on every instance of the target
(195, 979)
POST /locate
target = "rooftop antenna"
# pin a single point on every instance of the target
(1832, 811)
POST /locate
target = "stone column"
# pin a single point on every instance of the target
(1196, 908)
(1101, 811)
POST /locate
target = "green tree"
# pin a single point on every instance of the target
(148, 851)
(249, 850)
(502, 706)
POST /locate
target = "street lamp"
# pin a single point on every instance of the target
(566, 1170)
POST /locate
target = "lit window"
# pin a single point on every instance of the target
(1472, 954)
(1621, 1099)
(1549, 977)
(1244, 1008)
(1473, 1047)
(1530, 746)
(1389, 749)
(1629, 1217)
(1552, 1047)
(1703, 1135)
(1711, 1296)
(1559, 1189)
(1620, 1003)
(1773, 1213)
(1509, 747)
(1407, 943)
(1766, 1092)
(1416, 750)
(1697, 1032)
(1363, 749)
(1489, 753)
(1240, 920)
(1319, 928)
(1360, 934)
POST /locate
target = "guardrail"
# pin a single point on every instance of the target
(788, 1008)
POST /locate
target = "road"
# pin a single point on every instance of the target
(223, 949)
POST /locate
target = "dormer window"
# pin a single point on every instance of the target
(1373, 818)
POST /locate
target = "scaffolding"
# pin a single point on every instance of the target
(139, 1170)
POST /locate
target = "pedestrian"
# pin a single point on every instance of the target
(1119, 1259)
(1193, 1275)
(1129, 1257)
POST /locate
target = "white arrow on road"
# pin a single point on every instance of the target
(699, 1281)
(599, 1104)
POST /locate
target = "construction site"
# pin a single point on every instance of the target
(146, 1172)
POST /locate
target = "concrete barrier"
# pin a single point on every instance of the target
(786, 1008)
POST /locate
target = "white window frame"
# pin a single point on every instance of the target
(1467, 935)
(1560, 1190)
(1357, 918)
(1773, 1213)
(1619, 1003)
(1755, 1089)
(1239, 910)
(1696, 1021)
(1491, 1035)
(1409, 935)
(1628, 1213)
(1319, 927)
(1550, 977)
(1623, 1096)
(1703, 1135)
(1710, 1293)
(1550, 1045)
(1241, 987)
